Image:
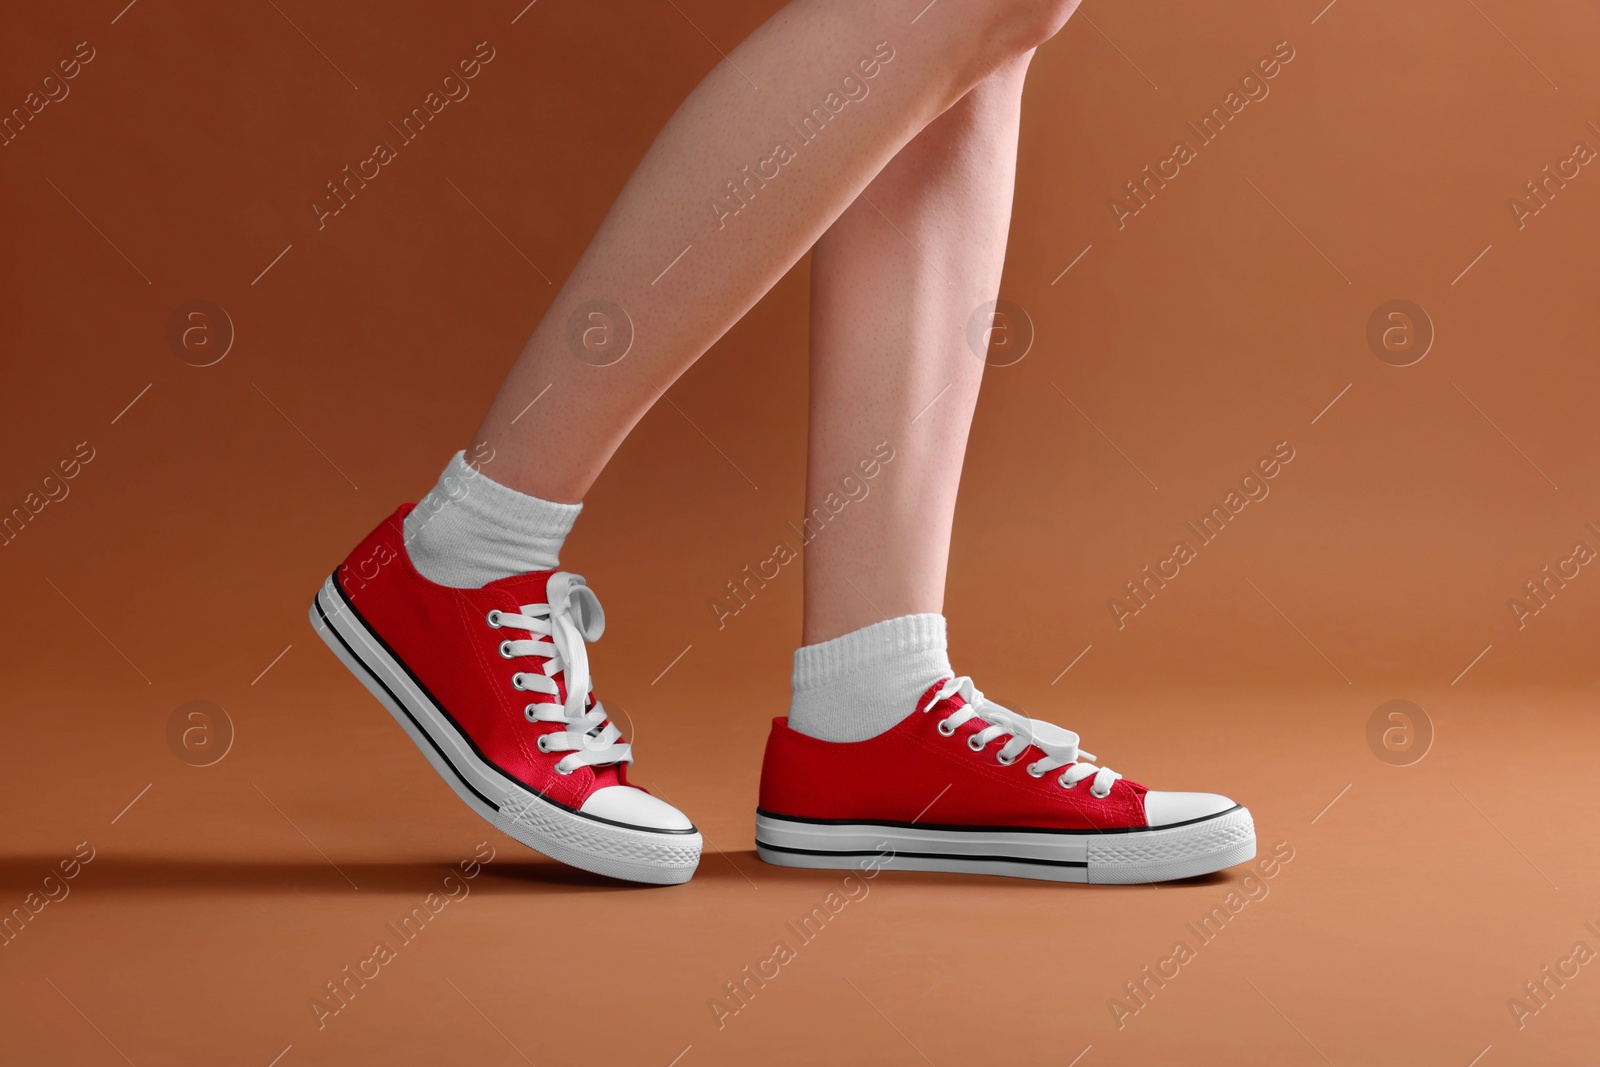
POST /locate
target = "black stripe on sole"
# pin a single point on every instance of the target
(921, 855)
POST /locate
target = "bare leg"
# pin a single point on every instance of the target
(894, 283)
(855, 769)
(682, 270)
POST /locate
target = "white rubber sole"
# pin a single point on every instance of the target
(617, 850)
(1106, 857)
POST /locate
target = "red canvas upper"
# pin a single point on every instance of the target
(913, 773)
(441, 635)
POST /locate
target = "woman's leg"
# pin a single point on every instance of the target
(759, 161)
(894, 284)
(887, 757)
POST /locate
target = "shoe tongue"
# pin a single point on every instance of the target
(524, 588)
(926, 701)
(608, 774)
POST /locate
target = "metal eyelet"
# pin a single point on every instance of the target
(1033, 773)
(505, 649)
(1064, 784)
(974, 744)
(1001, 759)
(527, 713)
(493, 618)
(560, 771)
(516, 681)
(1099, 796)
(540, 743)
(945, 727)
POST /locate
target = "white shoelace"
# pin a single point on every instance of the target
(570, 616)
(1059, 746)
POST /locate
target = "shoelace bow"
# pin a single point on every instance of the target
(1059, 746)
(570, 615)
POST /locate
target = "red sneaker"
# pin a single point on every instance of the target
(493, 686)
(964, 784)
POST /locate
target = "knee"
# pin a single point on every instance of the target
(1022, 25)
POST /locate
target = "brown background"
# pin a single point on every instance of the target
(1224, 318)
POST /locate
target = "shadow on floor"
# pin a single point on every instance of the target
(508, 873)
(511, 872)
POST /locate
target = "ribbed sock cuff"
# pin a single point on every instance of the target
(864, 683)
(471, 530)
(871, 646)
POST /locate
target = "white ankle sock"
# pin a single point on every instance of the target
(862, 684)
(470, 530)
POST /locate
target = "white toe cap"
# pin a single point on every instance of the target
(1165, 809)
(634, 807)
